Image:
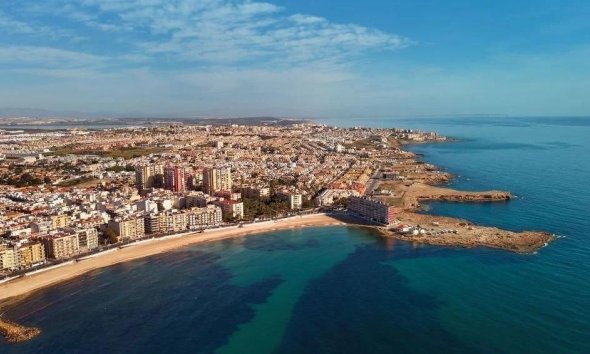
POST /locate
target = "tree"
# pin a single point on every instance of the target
(111, 236)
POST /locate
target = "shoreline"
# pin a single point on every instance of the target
(19, 288)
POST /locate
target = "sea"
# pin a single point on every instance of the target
(343, 289)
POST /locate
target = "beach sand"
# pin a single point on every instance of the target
(28, 284)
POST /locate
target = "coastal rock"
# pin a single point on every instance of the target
(15, 333)
(445, 231)
(419, 192)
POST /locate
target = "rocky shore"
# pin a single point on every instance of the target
(445, 231)
(415, 193)
(15, 333)
(420, 183)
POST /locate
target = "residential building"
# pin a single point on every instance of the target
(230, 208)
(255, 192)
(88, 238)
(147, 176)
(295, 200)
(30, 254)
(370, 209)
(59, 221)
(8, 259)
(204, 217)
(217, 179)
(61, 245)
(198, 199)
(128, 228)
(175, 178)
(41, 226)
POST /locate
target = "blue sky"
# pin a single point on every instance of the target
(306, 58)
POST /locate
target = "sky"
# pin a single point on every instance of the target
(296, 58)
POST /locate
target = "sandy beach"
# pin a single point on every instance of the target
(26, 285)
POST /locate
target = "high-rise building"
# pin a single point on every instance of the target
(175, 178)
(146, 176)
(217, 179)
(62, 245)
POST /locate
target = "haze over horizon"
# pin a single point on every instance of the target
(296, 58)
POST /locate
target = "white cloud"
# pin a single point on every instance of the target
(15, 26)
(188, 57)
(47, 56)
(236, 32)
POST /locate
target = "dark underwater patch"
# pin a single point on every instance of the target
(365, 306)
(183, 302)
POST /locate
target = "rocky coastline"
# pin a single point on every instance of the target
(446, 231)
(424, 183)
(16, 333)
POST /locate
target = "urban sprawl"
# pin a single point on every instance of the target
(70, 193)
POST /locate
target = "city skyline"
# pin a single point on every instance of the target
(295, 58)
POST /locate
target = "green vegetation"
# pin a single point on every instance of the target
(340, 202)
(24, 180)
(264, 207)
(75, 181)
(110, 236)
(128, 168)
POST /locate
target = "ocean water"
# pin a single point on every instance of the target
(344, 290)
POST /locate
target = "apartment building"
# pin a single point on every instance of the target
(128, 228)
(175, 178)
(30, 254)
(87, 238)
(231, 208)
(204, 217)
(217, 179)
(256, 192)
(61, 245)
(7, 258)
(370, 209)
(147, 176)
(295, 200)
(59, 221)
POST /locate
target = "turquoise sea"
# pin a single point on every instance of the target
(344, 290)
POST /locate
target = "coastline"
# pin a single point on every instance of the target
(424, 185)
(27, 285)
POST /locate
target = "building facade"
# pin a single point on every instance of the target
(30, 254)
(373, 210)
(146, 176)
(129, 228)
(7, 258)
(61, 246)
(175, 178)
(217, 179)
